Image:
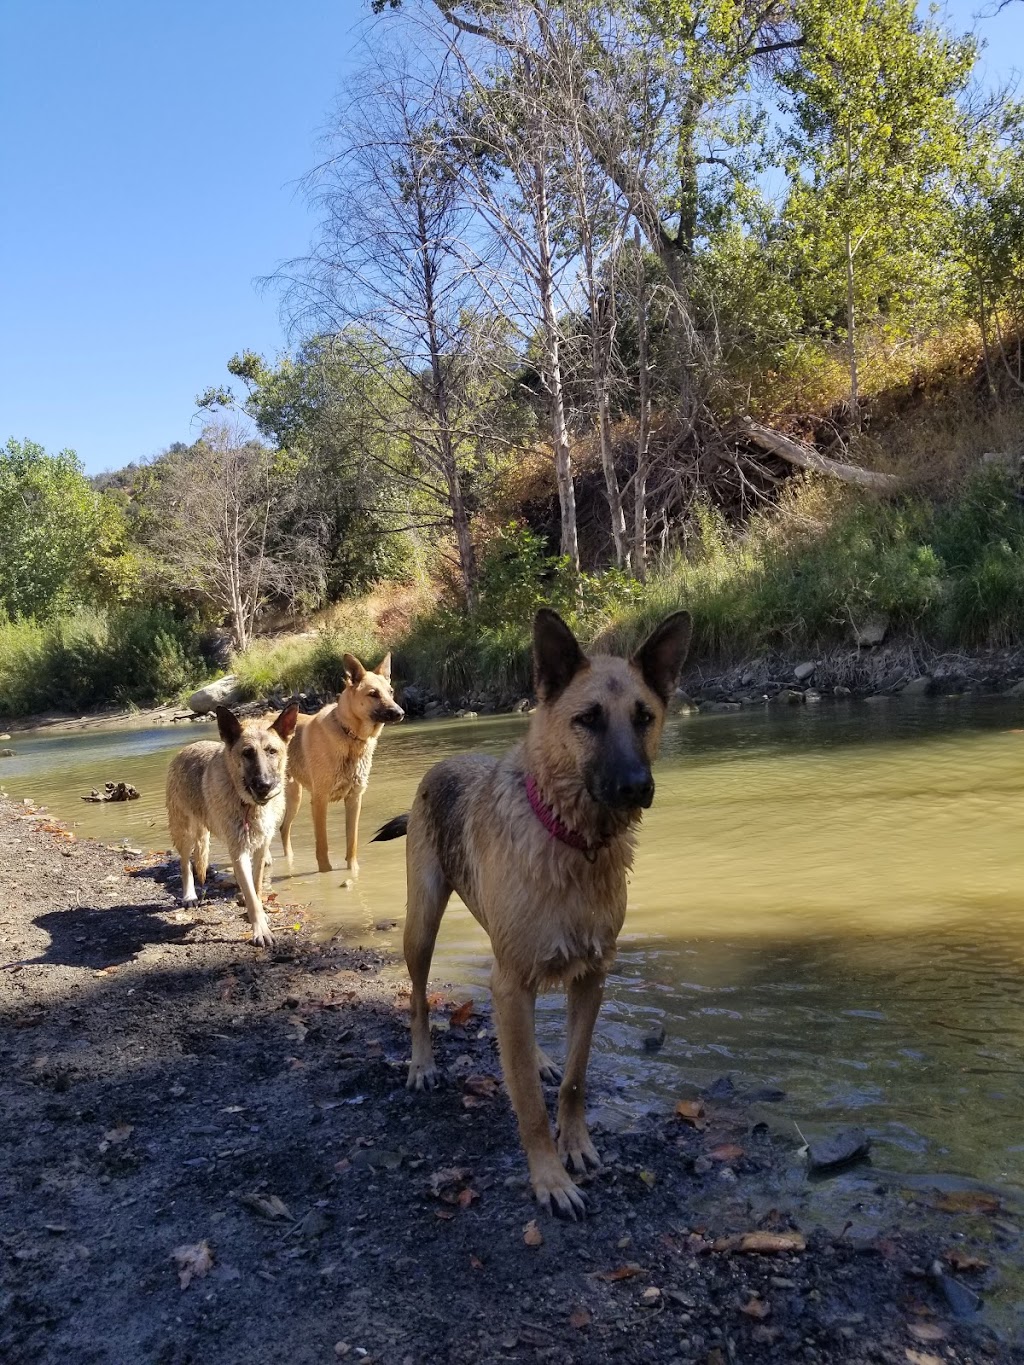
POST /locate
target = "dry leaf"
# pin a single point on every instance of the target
(476, 1263)
(692, 1111)
(964, 1261)
(923, 1358)
(461, 1015)
(193, 1262)
(436, 1001)
(532, 1235)
(966, 1201)
(728, 1151)
(580, 1317)
(622, 1272)
(649, 1178)
(444, 1214)
(928, 1331)
(266, 1205)
(466, 1197)
(121, 1133)
(756, 1308)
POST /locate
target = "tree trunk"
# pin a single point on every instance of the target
(851, 332)
(806, 457)
(553, 364)
(599, 379)
(643, 437)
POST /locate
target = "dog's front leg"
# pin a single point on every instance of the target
(323, 857)
(514, 1011)
(574, 1145)
(353, 804)
(261, 934)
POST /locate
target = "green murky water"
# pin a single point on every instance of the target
(828, 901)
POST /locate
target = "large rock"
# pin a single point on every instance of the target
(919, 687)
(871, 631)
(225, 691)
(804, 672)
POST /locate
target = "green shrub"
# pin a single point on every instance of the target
(135, 654)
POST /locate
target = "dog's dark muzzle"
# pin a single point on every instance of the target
(263, 789)
(630, 788)
(388, 715)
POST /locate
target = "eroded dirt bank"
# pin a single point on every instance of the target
(208, 1154)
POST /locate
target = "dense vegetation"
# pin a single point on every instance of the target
(592, 287)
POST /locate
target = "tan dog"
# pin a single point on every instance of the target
(236, 791)
(538, 844)
(332, 752)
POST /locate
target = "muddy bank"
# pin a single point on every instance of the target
(209, 1154)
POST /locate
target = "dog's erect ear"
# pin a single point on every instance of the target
(384, 667)
(354, 671)
(285, 723)
(557, 658)
(229, 725)
(661, 656)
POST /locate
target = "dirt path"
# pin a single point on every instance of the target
(166, 1088)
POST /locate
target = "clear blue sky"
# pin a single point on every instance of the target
(147, 159)
(148, 155)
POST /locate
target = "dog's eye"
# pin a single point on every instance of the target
(375, 695)
(591, 719)
(644, 715)
(248, 751)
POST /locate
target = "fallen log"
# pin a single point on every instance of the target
(806, 457)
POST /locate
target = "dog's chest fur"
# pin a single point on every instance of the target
(353, 770)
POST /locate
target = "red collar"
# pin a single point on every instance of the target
(556, 827)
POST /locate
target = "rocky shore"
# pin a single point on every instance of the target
(210, 1154)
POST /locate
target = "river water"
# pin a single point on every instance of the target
(827, 900)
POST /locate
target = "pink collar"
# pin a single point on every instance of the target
(557, 828)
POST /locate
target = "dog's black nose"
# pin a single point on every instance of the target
(263, 786)
(635, 790)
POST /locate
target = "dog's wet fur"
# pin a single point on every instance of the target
(332, 753)
(545, 879)
(235, 790)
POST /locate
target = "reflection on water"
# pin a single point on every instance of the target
(827, 901)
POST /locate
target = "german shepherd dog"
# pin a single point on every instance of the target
(235, 790)
(332, 752)
(538, 844)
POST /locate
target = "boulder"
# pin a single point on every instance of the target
(6, 753)
(869, 632)
(790, 696)
(1017, 690)
(811, 696)
(804, 672)
(224, 691)
(840, 691)
(918, 687)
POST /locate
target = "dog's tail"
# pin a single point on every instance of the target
(394, 829)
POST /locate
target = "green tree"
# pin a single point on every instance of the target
(877, 136)
(62, 542)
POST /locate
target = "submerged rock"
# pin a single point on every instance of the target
(851, 1144)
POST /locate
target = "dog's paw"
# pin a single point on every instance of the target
(261, 935)
(556, 1192)
(353, 867)
(550, 1072)
(576, 1149)
(324, 866)
(422, 1076)
(188, 902)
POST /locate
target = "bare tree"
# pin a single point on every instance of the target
(215, 508)
(392, 271)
